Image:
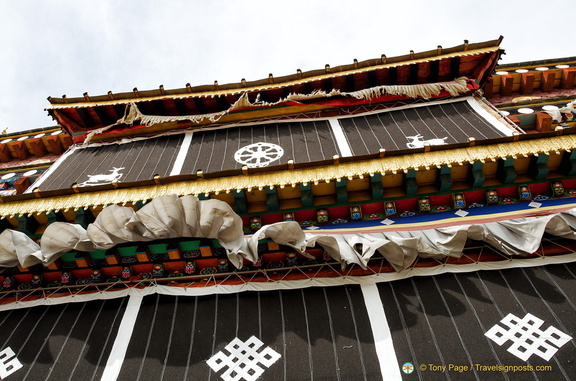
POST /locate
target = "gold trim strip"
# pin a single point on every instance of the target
(384, 166)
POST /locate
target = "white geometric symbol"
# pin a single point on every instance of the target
(258, 155)
(103, 178)
(7, 366)
(527, 337)
(243, 360)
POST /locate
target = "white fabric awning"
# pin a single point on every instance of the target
(173, 217)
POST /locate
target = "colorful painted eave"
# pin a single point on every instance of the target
(123, 193)
(485, 48)
(474, 61)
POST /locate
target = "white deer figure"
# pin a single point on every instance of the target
(103, 178)
(419, 142)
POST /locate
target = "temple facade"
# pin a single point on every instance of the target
(330, 224)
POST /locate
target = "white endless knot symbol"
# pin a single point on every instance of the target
(8, 365)
(258, 155)
(527, 337)
(243, 360)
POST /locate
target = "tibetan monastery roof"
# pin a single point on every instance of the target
(474, 61)
(271, 145)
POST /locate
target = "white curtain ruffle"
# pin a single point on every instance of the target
(176, 217)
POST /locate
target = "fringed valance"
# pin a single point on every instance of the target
(424, 91)
(173, 217)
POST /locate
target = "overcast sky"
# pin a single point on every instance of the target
(56, 47)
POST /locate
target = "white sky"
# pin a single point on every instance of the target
(56, 47)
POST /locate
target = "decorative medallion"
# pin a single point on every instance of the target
(558, 189)
(390, 209)
(424, 205)
(492, 197)
(258, 155)
(459, 201)
(322, 216)
(356, 213)
(524, 193)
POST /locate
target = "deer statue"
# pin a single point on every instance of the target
(419, 142)
(103, 178)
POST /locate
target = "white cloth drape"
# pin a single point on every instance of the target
(174, 217)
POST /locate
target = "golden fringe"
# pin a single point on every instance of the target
(386, 165)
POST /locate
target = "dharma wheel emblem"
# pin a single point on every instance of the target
(258, 155)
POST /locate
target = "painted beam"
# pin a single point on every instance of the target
(55, 217)
(83, 217)
(543, 122)
(506, 82)
(20, 150)
(376, 188)
(476, 174)
(341, 191)
(568, 163)
(5, 154)
(410, 184)
(455, 67)
(307, 197)
(27, 225)
(527, 83)
(54, 144)
(444, 179)
(272, 199)
(568, 78)
(240, 201)
(538, 169)
(547, 81)
(434, 71)
(506, 172)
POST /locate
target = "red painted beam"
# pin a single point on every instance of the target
(37, 147)
(568, 78)
(547, 81)
(20, 150)
(543, 122)
(527, 83)
(506, 82)
(5, 154)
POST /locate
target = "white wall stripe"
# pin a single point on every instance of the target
(340, 137)
(51, 170)
(382, 337)
(500, 126)
(118, 352)
(179, 162)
